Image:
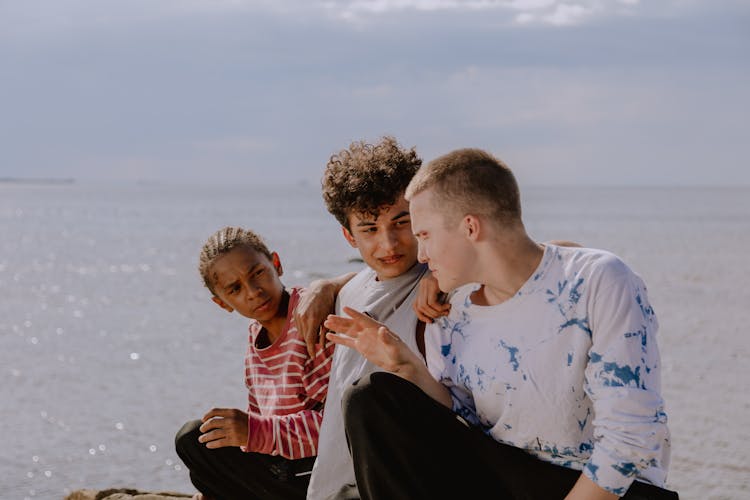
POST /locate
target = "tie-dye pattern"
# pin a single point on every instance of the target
(568, 369)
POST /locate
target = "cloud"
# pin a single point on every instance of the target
(521, 12)
(206, 89)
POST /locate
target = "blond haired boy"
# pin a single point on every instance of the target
(543, 381)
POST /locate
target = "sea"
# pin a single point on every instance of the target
(109, 342)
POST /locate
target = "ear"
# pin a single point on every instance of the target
(222, 304)
(471, 226)
(276, 261)
(348, 236)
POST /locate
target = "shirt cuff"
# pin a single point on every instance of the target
(259, 434)
(615, 477)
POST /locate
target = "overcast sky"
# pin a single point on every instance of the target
(648, 92)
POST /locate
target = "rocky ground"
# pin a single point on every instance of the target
(125, 494)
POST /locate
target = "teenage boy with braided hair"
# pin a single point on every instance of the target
(268, 451)
(542, 383)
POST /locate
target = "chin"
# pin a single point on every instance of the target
(394, 271)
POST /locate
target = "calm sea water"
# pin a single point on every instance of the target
(108, 342)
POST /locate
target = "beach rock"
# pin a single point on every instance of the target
(125, 494)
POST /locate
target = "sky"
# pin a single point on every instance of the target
(566, 92)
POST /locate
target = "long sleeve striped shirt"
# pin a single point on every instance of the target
(286, 391)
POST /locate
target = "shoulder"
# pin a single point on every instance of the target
(604, 275)
(594, 262)
(361, 279)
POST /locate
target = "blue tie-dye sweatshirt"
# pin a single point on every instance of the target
(567, 369)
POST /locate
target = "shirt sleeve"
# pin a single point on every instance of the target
(622, 379)
(295, 435)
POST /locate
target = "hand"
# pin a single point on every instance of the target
(429, 303)
(372, 340)
(586, 489)
(315, 303)
(224, 427)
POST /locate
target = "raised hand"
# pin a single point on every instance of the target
(224, 427)
(372, 340)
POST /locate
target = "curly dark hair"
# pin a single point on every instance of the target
(366, 177)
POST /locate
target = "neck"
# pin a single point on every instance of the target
(275, 325)
(506, 264)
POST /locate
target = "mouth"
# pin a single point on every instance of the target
(265, 306)
(391, 259)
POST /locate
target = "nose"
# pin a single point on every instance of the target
(421, 252)
(253, 291)
(389, 240)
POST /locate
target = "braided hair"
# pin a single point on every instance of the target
(223, 241)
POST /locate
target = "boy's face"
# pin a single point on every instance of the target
(246, 281)
(386, 242)
(444, 249)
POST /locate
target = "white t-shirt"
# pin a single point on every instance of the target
(389, 302)
(568, 369)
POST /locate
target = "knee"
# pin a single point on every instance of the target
(187, 437)
(373, 390)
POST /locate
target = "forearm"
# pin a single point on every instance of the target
(292, 436)
(332, 285)
(417, 373)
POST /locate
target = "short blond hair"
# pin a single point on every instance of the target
(470, 181)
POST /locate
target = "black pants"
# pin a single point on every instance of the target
(231, 474)
(406, 445)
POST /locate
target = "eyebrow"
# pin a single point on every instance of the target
(404, 213)
(250, 271)
(400, 214)
(364, 223)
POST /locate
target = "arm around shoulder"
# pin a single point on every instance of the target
(315, 303)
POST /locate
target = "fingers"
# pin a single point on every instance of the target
(344, 340)
(218, 412)
(387, 336)
(424, 318)
(430, 301)
(361, 318)
(428, 312)
(338, 323)
(211, 437)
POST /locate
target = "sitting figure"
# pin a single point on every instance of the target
(268, 451)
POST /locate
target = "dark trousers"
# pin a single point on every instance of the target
(231, 474)
(406, 445)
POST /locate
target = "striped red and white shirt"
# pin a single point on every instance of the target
(286, 391)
